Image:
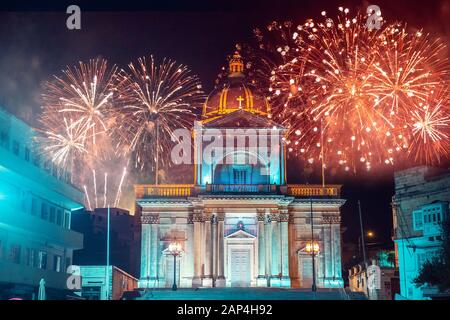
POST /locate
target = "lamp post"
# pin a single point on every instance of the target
(368, 235)
(363, 245)
(313, 249)
(175, 250)
(314, 286)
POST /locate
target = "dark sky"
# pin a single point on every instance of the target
(35, 43)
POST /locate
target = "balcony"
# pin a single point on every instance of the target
(163, 190)
(188, 190)
(241, 188)
(311, 190)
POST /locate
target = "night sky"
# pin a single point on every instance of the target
(35, 43)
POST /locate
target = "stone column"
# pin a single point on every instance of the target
(261, 281)
(207, 272)
(268, 249)
(145, 252)
(326, 251)
(214, 247)
(332, 243)
(336, 231)
(276, 252)
(220, 281)
(190, 257)
(197, 219)
(284, 239)
(154, 248)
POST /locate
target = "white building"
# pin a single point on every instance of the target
(36, 200)
(239, 223)
(421, 202)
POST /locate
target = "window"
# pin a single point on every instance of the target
(15, 253)
(57, 263)
(16, 147)
(34, 206)
(67, 219)
(59, 216)
(44, 211)
(31, 257)
(54, 170)
(52, 214)
(37, 160)
(42, 263)
(27, 154)
(418, 220)
(4, 139)
(239, 176)
(47, 166)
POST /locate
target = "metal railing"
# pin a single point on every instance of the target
(187, 190)
(251, 188)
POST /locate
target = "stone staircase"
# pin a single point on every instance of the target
(248, 294)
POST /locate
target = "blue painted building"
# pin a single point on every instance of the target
(36, 201)
(420, 204)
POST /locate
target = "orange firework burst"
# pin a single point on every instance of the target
(155, 100)
(344, 91)
(430, 128)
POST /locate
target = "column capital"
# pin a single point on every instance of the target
(261, 215)
(284, 217)
(150, 218)
(197, 217)
(273, 217)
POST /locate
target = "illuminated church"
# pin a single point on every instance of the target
(240, 224)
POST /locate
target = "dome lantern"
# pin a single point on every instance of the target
(236, 65)
(235, 94)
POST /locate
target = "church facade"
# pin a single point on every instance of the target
(240, 224)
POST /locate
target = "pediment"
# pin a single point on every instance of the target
(240, 234)
(241, 119)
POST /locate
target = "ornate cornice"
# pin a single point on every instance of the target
(331, 219)
(150, 219)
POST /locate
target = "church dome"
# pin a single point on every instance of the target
(235, 94)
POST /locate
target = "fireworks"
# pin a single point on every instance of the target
(84, 95)
(430, 126)
(64, 141)
(109, 199)
(344, 92)
(154, 100)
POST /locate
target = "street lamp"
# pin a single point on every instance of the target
(175, 250)
(313, 254)
(312, 248)
(369, 235)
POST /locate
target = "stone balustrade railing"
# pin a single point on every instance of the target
(187, 190)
